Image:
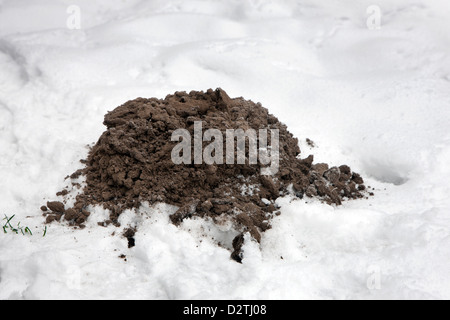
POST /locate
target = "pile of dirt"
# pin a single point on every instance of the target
(132, 163)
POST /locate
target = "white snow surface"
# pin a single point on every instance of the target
(377, 100)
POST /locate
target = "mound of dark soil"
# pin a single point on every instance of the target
(131, 163)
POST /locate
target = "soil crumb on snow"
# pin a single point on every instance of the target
(131, 163)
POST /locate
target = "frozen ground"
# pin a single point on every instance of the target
(378, 100)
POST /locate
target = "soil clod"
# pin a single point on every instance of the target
(56, 207)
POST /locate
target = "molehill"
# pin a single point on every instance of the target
(131, 163)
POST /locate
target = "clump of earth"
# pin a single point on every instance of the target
(132, 163)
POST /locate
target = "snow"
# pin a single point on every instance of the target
(377, 100)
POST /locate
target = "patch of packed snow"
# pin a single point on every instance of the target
(377, 100)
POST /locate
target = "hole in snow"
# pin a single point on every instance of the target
(387, 172)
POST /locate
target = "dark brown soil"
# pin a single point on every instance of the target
(129, 234)
(131, 163)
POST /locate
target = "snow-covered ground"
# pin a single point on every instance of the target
(377, 100)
